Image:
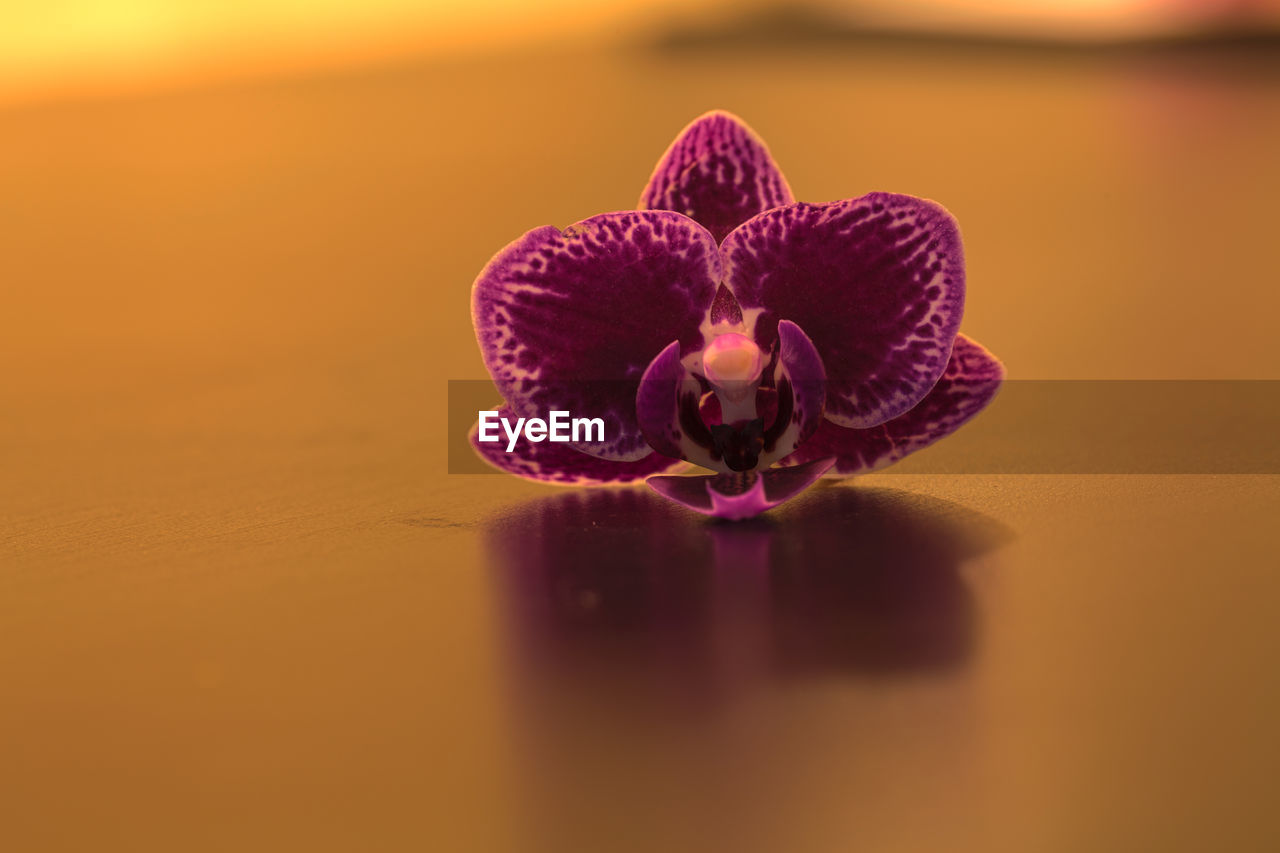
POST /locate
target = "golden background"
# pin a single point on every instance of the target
(243, 605)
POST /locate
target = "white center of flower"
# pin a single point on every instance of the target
(731, 359)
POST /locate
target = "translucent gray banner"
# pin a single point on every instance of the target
(1053, 427)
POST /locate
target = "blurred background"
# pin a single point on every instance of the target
(243, 605)
(80, 46)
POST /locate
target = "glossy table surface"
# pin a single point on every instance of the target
(244, 605)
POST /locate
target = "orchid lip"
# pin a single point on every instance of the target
(748, 435)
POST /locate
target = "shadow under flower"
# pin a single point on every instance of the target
(617, 591)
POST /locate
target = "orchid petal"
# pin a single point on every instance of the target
(554, 462)
(738, 496)
(569, 320)
(970, 382)
(719, 172)
(876, 282)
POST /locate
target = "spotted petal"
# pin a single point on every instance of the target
(718, 172)
(737, 496)
(969, 383)
(548, 462)
(569, 320)
(876, 282)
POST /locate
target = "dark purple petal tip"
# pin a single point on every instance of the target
(719, 172)
(738, 496)
(876, 282)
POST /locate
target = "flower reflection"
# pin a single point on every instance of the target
(620, 593)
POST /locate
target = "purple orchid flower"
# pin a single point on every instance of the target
(726, 325)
